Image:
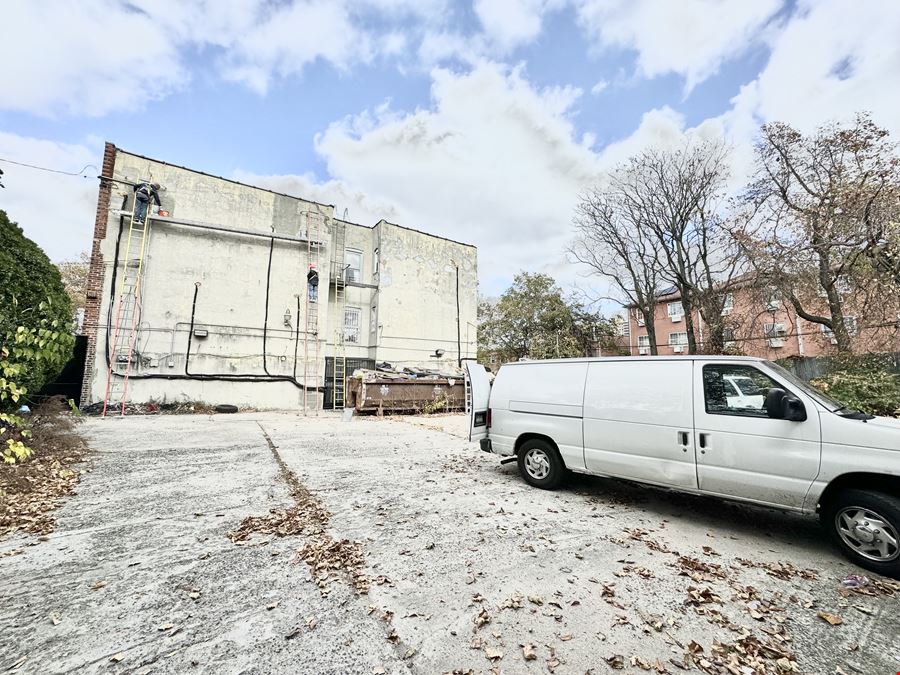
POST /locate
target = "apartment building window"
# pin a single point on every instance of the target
(849, 323)
(678, 339)
(353, 265)
(728, 303)
(373, 320)
(675, 309)
(639, 317)
(351, 324)
(728, 336)
(773, 300)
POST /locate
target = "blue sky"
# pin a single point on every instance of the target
(479, 121)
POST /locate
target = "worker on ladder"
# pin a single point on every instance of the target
(143, 193)
(312, 279)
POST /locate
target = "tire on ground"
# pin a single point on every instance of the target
(541, 452)
(226, 408)
(884, 505)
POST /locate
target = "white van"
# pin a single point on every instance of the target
(733, 427)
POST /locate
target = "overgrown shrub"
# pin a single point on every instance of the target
(876, 392)
(35, 331)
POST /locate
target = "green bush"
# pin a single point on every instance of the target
(876, 392)
(33, 299)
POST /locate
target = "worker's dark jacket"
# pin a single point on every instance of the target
(145, 192)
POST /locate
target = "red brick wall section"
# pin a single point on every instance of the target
(95, 272)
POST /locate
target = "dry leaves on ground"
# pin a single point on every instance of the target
(31, 490)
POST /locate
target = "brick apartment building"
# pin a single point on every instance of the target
(758, 323)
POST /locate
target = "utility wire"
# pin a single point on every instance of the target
(44, 168)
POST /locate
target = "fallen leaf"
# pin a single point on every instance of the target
(528, 651)
(115, 658)
(272, 605)
(166, 626)
(536, 599)
(493, 653)
(616, 661)
(833, 619)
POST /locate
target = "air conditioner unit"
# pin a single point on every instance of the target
(678, 349)
(776, 342)
(729, 344)
(676, 317)
(643, 351)
(726, 311)
(772, 305)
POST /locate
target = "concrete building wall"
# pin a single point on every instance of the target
(416, 298)
(207, 331)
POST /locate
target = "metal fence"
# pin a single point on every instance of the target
(352, 364)
(810, 367)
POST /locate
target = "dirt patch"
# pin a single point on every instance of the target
(31, 490)
(329, 559)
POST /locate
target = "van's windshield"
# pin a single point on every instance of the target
(831, 403)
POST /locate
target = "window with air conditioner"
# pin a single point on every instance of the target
(676, 311)
(728, 304)
(678, 341)
(643, 343)
(351, 324)
(775, 334)
(352, 265)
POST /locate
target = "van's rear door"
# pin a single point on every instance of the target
(479, 393)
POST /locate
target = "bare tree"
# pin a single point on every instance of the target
(671, 203)
(614, 242)
(823, 234)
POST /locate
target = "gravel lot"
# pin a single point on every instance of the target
(468, 567)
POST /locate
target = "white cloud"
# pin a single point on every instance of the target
(87, 57)
(98, 56)
(54, 210)
(360, 206)
(291, 37)
(510, 23)
(690, 37)
(831, 60)
(600, 87)
(492, 161)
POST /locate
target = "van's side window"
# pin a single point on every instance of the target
(736, 390)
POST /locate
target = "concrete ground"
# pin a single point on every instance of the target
(470, 569)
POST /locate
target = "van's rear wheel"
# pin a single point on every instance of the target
(866, 527)
(540, 464)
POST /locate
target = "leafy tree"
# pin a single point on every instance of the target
(74, 275)
(35, 336)
(825, 231)
(533, 320)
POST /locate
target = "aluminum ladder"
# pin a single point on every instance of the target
(127, 316)
(339, 274)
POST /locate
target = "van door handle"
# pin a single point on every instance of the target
(703, 443)
(683, 440)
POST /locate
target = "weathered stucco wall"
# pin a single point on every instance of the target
(231, 271)
(407, 305)
(416, 297)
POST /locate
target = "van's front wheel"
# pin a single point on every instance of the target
(540, 464)
(866, 526)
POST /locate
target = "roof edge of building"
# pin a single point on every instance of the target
(427, 234)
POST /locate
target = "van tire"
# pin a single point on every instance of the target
(851, 506)
(540, 464)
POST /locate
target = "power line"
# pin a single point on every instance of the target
(44, 168)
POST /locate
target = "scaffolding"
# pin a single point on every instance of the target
(127, 314)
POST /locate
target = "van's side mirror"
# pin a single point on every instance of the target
(782, 406)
